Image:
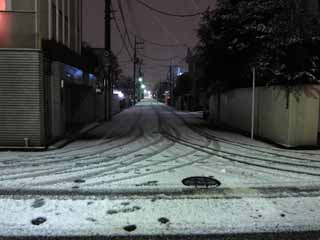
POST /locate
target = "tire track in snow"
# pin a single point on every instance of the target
(248, 146)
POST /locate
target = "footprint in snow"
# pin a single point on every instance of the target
(130, 228)
(38, 221)
(125, 204)
(38, 203)
(91, 219)
(163, 220)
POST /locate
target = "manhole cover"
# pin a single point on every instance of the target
(201, 182)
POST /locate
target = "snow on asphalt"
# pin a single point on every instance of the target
(125, 177)
(153, 143)
(107, 217)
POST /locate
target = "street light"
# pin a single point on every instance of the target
(143, 86)
(140, 79)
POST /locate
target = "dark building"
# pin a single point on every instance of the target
(47, 89)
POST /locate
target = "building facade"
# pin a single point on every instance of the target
(45, 90)
(24, 23)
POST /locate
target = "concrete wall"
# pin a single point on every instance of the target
(64, 24)
(80, 103)
(73, 100)
(293, 122)
(56, 104)
(303, 120)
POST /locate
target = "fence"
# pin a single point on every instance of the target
(287, 120)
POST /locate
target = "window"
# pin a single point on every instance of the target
(66, 31)
(60, 26)
(54, 21)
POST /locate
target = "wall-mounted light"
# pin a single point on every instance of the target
(62, 84)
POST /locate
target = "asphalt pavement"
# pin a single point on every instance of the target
(131, 172)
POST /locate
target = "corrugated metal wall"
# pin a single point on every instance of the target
(21, 98)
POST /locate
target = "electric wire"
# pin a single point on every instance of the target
(121, 50)
(168, 13)
(121, 36)
(160, 44)
(161, 59)
(124, 23)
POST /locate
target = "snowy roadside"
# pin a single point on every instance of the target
(155, 215)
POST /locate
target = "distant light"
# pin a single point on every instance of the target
(149, 92)
(179, 72)
(140, 79)
(143, 86)
(92, 77)
(145, 91)
(119, 93)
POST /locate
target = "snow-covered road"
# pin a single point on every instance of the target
(150, 147)
(125, 178)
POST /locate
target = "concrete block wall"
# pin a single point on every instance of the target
(289, 122)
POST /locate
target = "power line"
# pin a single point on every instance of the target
(168, 13)
(161, 59)
(124, 23)
(132, 14)
(121, 36)
(160, 44)
(120, 51)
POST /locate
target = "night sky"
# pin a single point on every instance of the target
(150, 26)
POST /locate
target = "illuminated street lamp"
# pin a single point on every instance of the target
(140, 79)
(143, 86)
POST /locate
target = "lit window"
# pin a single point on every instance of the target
(3, 5)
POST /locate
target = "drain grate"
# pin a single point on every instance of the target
(201, 182)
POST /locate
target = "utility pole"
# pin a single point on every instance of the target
(253, 101)
(171, 84)
(108, 82)
(134, 69)
(135, 61)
